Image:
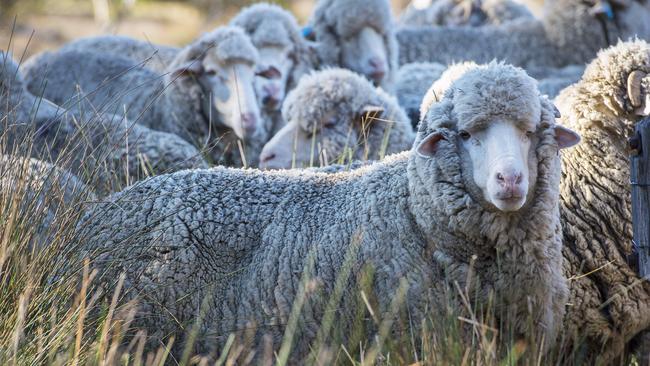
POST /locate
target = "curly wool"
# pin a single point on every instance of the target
(333, 20)
(346, 93)
(109, 143)
(163, 103)
(567, 34)
(412, 83)
(610, 304)
(238, 241)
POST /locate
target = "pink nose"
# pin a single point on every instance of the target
(249, 122)
(510, 183)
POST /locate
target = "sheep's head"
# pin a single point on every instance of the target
(276, 35)
(221, 67)
(357, 36)
(330, 113)
(495, 120)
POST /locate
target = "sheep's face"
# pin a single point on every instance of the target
(500, 156)
(300, 144)
(365, 52)
(231, 94)
(272, 76)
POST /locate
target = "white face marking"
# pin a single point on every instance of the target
(233, 95)
(499, 157)
(271, 91)
(366, 54)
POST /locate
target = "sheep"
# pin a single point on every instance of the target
(337, 115)
(237, 241)
(609, 303)
(472, 13)
(100, 146)
(412, 82)
(570, 33)
(207, 96)
(283, 50)
(357, 35)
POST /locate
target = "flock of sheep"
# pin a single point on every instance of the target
(447, 167)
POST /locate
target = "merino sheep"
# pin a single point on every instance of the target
(278, 39)
(337, 115)
(100, 146)
(473, 13)
(412, 83)
(357, 35)
(609, 304)
(570, 33)
(237, 241)
(207, 97)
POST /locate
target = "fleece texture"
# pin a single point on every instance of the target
(413, 82)
(465, 13)
(345, 94)
(106, 151)
(167, 103)
(567, 34)
(240, 241)
(334, 20)
(610, 304)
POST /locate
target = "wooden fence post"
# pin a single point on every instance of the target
(640, 181)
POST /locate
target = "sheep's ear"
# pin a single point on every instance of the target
(190, 68)
(269, 73)
(565, 137)
(429, 145)
(371, 112)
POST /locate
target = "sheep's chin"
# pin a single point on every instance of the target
(509, 204)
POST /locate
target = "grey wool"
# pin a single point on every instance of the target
(106, 151)
(610, 303)
(336, 115)
(153, 56)
(239, 241)
(568, 34)
(412, 83)
(335, 21)
(178, 104)
(473, 13)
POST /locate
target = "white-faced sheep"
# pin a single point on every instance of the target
(357, 35)
(570, 33)
(285, 55)
(207, 97)
(609, 304)
(473, 13)
(237, 241)
(337, 115)
(105, 150)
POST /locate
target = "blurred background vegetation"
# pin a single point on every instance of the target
(46, 24)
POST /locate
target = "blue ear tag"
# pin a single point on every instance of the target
(307, 31)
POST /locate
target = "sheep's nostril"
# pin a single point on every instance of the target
(520, 177)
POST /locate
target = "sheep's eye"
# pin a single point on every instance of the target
(530, 133)
(211, 72)
(464, 135)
